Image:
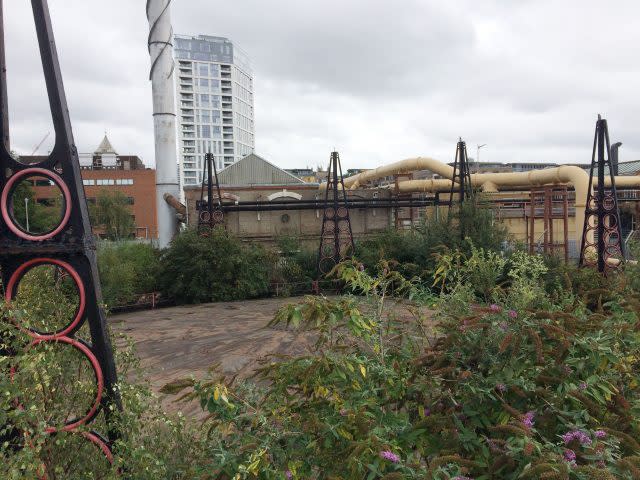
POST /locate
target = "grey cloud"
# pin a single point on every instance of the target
(378, 80)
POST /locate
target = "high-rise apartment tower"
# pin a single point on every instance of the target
(214, 85)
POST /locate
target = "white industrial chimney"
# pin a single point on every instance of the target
(164, 116)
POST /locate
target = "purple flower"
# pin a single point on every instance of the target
(504, 326)
(389, 455)
(513, 314)
(569, 456)
(582, 386)
(579, 435)
(343, 412)
(527, 420)
(501, 387)
(494, 308)
(427, 412)
(600, 434)
(567, 369)
(288, 474)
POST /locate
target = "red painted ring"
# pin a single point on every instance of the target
(99, 380)
(4, 203)
(98, 442)
(14, 281)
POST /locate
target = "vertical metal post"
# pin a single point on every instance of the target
(565, 221)
(600, 197)
(4, 101)
(209, 160)
(334, 167)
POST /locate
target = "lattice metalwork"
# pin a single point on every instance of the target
(602, 244)
(550, 206)
(61, 255)
(210, 212)
(461, 180)
(336, 239)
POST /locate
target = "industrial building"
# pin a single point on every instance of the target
(254, 179)
(261, 200)
(214, 85)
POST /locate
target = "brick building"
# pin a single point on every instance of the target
(105, 169)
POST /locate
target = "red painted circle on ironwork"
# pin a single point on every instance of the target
(101, 444)
(98, 442)
(99, 380)
(4, 203)
(14, 281)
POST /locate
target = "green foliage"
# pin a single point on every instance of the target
(127, 270)
(216, 267)
(51, 383)
(412, 252)
(41, 218)
(498, 393)
(112, 213)
(295, 267)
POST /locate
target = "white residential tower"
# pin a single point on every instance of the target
(214, 85)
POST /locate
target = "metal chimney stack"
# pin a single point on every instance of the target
(164, 116)
(614, 157)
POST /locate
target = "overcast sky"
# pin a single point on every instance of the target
(378, 80)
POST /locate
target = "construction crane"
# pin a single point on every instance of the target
(40, 144)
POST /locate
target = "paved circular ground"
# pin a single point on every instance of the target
(175, 343)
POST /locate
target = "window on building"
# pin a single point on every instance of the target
(88, 182)
(203, 69)
(204, 82)
(130, 201)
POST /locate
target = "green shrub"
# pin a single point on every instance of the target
(414, 252)
(217, 267)
(127, 270)
(500, 393)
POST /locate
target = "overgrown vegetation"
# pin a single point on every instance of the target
(414, 251)
(127, 271)
(519, 368)
(215, 267)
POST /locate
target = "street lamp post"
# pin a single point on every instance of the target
(478, 157)
(26, 212)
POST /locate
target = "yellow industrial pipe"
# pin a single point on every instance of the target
(489, 182)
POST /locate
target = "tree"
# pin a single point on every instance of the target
(41, 218)
(112, 214)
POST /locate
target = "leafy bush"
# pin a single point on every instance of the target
(413, 252)
(295, 267)
(46, 385)
(500, 393)
(127, 270)
(211, 268)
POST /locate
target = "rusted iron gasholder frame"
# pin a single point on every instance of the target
(602, 215)
(336, 238)
(210, 214)
(69, 247)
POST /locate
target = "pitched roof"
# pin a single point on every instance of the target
(255, 170)
(105, 146)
